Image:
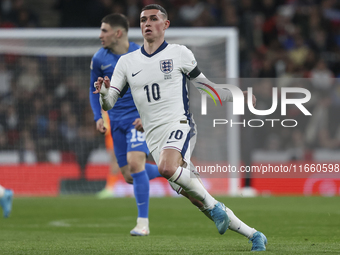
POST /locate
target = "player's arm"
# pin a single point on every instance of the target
(94, 98)
(110, 91)
(204, 85)
(190, 68)
(108, 96)
(216, 90)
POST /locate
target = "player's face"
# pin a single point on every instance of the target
(108, 35)
(153, 25)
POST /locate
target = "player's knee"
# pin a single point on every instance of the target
(136, 166)
(136, 161)
(166, 170)
(128, 178)
(126, 173)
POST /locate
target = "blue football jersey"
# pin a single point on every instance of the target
(102, 64)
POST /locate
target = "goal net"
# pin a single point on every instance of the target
(48, 141)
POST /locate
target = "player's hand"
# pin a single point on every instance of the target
(138, 125)
(245, 93)
(100, 126)
(99, 83)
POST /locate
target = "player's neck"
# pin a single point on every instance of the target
(151, 47)
(121, 47)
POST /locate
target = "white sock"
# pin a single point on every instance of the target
(142, 222)
(193, 187)
(239, 226)
(2, 191)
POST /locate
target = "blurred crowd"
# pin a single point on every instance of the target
(44, 107)
(293, 42)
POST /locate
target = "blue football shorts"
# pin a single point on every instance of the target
(126, 138)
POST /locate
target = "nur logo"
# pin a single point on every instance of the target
(238, 99)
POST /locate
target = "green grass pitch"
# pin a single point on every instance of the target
(87, 225)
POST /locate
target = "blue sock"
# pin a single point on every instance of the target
(152, 171)
(141, 190)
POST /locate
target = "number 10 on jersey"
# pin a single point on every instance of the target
(154, 92)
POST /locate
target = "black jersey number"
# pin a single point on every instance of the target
(178, 135)
(154, 91)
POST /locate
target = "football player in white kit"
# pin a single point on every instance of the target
(156, 74)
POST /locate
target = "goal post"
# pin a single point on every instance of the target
(214, 48)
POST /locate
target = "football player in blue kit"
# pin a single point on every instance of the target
(129, 143)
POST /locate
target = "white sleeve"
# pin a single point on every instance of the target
(108, 97)
(188, 61)
(203, 85)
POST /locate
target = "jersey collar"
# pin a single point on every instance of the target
(162, 47)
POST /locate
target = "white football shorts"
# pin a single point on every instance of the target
(180, 136)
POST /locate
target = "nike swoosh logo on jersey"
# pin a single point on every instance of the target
(171, 141)
(134, 145)
(134, 74)
(104, 67)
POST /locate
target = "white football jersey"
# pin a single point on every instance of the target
(158, 84)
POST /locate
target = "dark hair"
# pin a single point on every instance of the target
(156, 7)
(116, 19)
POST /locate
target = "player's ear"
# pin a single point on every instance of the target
(166, 24)
(119, 33)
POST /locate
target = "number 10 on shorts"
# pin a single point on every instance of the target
(178, 134)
